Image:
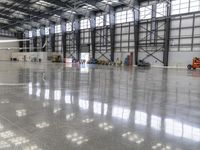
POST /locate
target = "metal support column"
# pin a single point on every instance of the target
(34, 34)
(52, 36)
(112, 33)
(167, 35)
(136, 13)
(20, 36)
(43, 38)
(64, 46)
(93, 33)
(27, 43)
(77, 37)
(153, 25)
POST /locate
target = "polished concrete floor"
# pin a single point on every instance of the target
(58, 107)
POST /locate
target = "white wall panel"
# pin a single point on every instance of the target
(186, 41)
(174, 33)
(197, 31)
(186, 32)
(185, 48)
(175, 23)
(197, 21)
(187, 22)
(196, 40)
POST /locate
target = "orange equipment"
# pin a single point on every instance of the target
(195, 64)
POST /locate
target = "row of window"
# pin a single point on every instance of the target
(6, 33)
(178, 7)
(185, 6)
(47, 30)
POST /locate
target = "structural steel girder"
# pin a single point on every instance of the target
(43, 37)
(167, 35)
(52, 36)
(156, 46)
(64, 34)
(93, 33)
(112, 33)
(77, 36)
(136, 14)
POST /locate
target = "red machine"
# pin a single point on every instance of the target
(195, 64)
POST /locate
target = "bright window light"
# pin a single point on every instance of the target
(156, 122)
(42, 125)
(173, 127)
(88, 120)
(38, 92)
(30, 88)
(120, 17)
(145, 12)
(84, 104)
(187, 131)
(45, 104)
(180, 6)
(4, 145)
(140, 118)
(97, 107)
(120, 112)
(46, 96)
(38, 32)
(47, 31)
(196, 134)
(124, 16)
(190, 132)
(85, 24)
(44, 3)
(88, 7)
(68, 99)
(30, 34)
(105, 109)
(57, 94)
(56, 110)
(161, 10)
(105, 126)
(84, 70)
(69, 26)
(76, 138)
(18, 140)
(184, 6)
(21, 112)
(110, 2)
(130, 16)
(107, 19)
(70, 116)
(7, 134)
(194, 5)
(99, 21)
(58, 29)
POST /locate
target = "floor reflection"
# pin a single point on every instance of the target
(10, 139)
(96, 108)
(172, 127)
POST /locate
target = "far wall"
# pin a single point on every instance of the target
(176, 59)
(5, 53)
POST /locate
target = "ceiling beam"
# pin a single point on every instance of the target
(60, 3)
(7, 15)
(26, 11)
(33, 15)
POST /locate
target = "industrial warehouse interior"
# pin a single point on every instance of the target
(99, 74)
